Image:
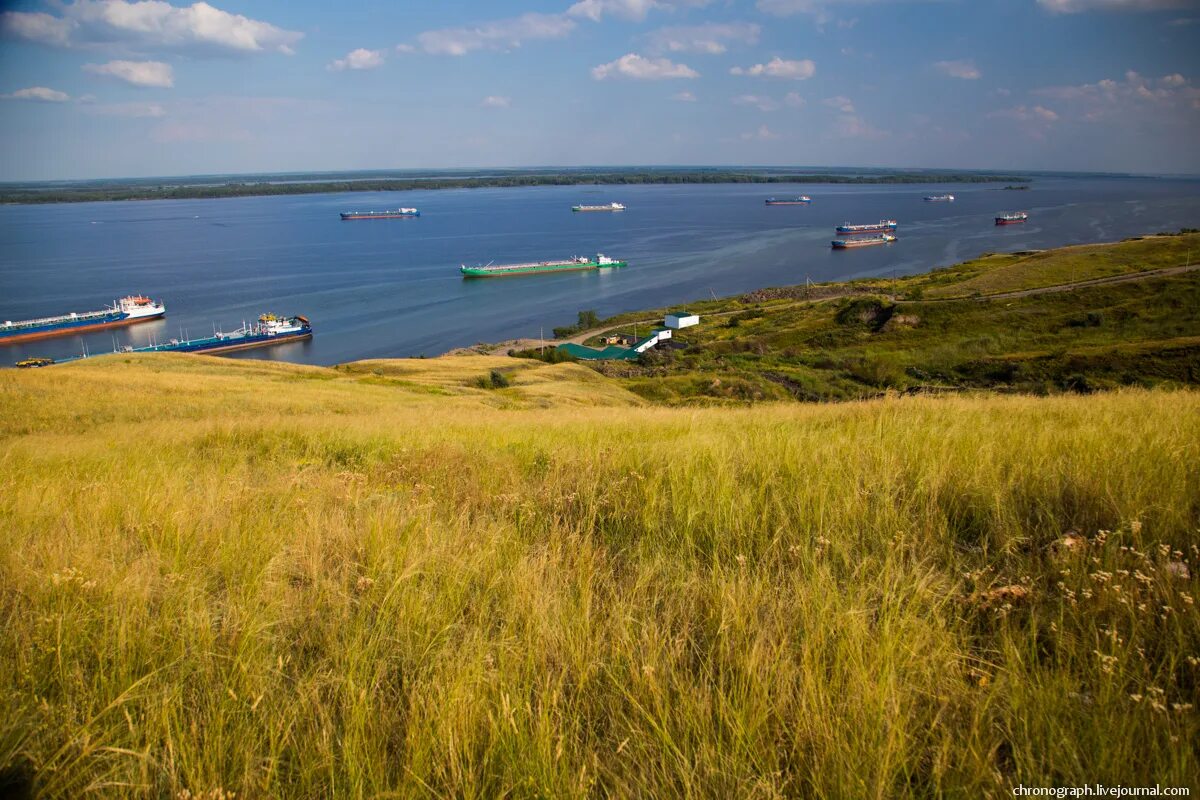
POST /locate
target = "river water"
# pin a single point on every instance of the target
(392, 288)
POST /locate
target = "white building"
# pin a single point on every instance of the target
(681, 319)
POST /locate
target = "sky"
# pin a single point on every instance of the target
(114, 88)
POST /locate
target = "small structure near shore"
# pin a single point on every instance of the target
(681, 319)
(622, 347)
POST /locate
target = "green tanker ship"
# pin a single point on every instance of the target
(601, 261)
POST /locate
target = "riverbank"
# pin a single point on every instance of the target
(253, 186)
(1071, 319)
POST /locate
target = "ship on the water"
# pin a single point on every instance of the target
(862, 241)
(793, 201)
(883, 226)
(1012, 218)
(392, 214)
(601, 261)
(605, 207)
(939, 198)
(269, 330)
(126, 311)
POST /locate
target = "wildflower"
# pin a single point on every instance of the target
(1135, 527)
(741, 560)
(1179, 708)
(1178, 569)
(1137, 698)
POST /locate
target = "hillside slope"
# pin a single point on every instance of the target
(387, 580)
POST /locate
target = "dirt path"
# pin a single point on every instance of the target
(502, 348)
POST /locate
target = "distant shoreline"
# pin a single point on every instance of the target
(146, 190)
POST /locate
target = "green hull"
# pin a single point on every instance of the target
(534, 269)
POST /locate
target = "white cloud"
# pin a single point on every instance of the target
(684, 97)
(596, 9)
(498, 35)
(1075, 6)
(964, 69)
(763, 134)
(147, 110)
(820, 10)
(793, 100)
(138, 73)
(758, 101)
(39, 94)
(1113, 98)
(635, 10)
(842, 104)
(711, 39)
(1026, 114)
(852, 126)
(36, 27)
(151, 24)
(358, 59)
(779, 68)
(636, 67)
(496, 101)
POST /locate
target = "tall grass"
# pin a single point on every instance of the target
(292, 582)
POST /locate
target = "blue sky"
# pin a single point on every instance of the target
(104, 88)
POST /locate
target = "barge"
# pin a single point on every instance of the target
(392, 214)
(883, 226)
(601, 261)
(126, 311)
(1012, 218)
(606, 207)
(802, 200)
(862, 241)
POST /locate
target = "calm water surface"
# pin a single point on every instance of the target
(391, 288)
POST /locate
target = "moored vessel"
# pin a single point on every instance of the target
(126, 311)
(939, 198)
(862, 241)
(392, 214)
(883, 226)
(269, 330)
(606, 207)
(1011, 218)
(793, 201)
(534, 267)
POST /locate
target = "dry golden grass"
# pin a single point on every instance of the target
(381, 581)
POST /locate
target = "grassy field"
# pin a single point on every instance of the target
(413, 579)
